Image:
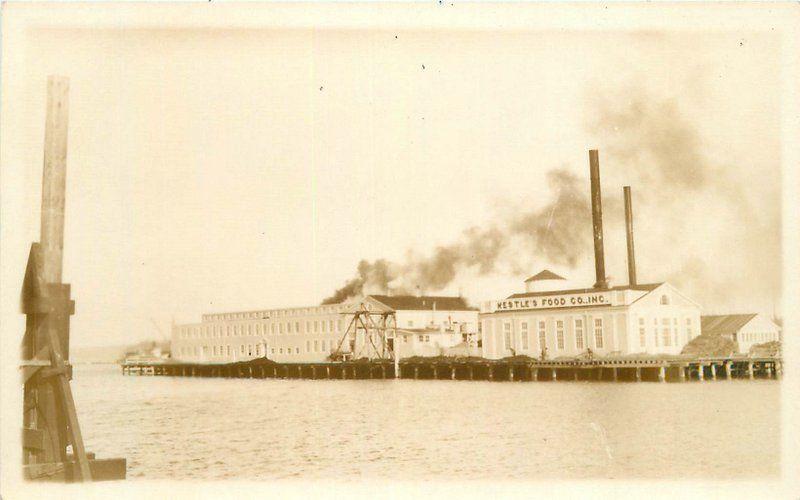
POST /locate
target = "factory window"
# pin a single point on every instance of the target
(297, 350)
(339, 326)
(308, 326)
(655, 331)
(542, 335)
(689, 329)
(665, 333)
(272, 328)
(579, 333)
(664, 300)
(523, 334)
(258, 329)
(272, 350)
(258, 349)
(241, 349)
(427, 338)
(560, 334)
(297, 327)
(598, 333)
(280, 327)
(316, 346)
(289, 327)
(330, 326)
(675, 331)
(410, 324)
(308, 346)
(642, 334)
(229, 350)
(316, 326)
(249, 349)
(280, 350)
(506, 335)
(215, 350)
(421, 338)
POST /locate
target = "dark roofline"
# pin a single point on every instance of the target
(642, 288)
(445, 302)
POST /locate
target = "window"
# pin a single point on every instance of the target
(273, 350)
(297, 350)
(316, 346)
(655, 331)
(598, 333)
(308, 346)
(215, 350)
(665, 333)
(249, 349)
(258, 349)
(280, 327)
(642, 334)
(339, 326)
(427, 338)
(675, 331)
(410, 324)
(316, 326)
(330, 326)
(422, 338)
(542, 335)
(280, 350)
(506, 335)
(664, 300)
(579, 333)
(523, 333)
(241, 349)
(229, 350)
(272, 328)
(560, 334)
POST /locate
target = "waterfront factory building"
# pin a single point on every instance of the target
(551, 322)
(424, 325)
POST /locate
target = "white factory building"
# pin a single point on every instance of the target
(565, 322)
(424, 324)
(746, 330)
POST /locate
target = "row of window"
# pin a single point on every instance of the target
(667, 335)
(302, 311)
(581, 342)
(258, 329)
(758, 336)
(257, 350)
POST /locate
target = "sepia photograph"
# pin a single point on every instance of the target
(399, 249)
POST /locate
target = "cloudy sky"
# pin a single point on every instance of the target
(213, 168)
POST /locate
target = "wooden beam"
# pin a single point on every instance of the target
(54, 178)
(108, 469)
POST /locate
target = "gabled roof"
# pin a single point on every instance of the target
(544, 275)
(425, 303)
(724, 324)
(642, 288)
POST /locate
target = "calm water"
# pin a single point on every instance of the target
(175, 428)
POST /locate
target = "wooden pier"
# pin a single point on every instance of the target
(514, 370)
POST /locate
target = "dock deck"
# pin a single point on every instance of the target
(630, 369)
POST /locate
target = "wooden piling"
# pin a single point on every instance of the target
(471, 373)
(750, 370)
(639, 373)
(452, 372)
(435, 372)
(328, 372)
(535, 374)
(662, 374)
(491, 372)
(728, 370)
(511, 373)
(713, 371)
(614, 373)
(416, 372)
(682, 373)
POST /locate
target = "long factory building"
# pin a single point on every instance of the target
(423, 325)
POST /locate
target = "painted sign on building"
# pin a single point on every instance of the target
(550, 301)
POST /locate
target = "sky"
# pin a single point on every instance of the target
(213, 169)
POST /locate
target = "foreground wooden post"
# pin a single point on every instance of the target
(700, 374)
(49, 419)
(662, 375)
(452, 372)
(639, 373)
(511, 373)
(614, 373)
(535, 374)
(750, 370)
(713, 371)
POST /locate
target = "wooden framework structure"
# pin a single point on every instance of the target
(370, 334)
(51, 436)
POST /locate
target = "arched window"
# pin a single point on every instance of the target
(664, 300)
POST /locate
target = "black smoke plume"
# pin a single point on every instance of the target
(558, 232)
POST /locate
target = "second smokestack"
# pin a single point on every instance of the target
(597, 221)
(626, 190)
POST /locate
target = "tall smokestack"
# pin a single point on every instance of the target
(597, 221)
(629, 236)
